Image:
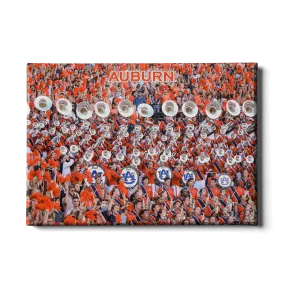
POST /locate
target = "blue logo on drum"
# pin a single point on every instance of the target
(129, 178)
(163, 173)
(225, 181)
(95, 172)
(188, 176)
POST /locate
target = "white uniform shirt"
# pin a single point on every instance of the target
(66, 167)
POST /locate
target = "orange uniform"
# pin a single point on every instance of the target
(112, 177)
(177, 177)
(150, 174)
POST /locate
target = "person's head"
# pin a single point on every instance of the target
(145, 180)
(167, 182)
(71, 191)
(138, 194)
(77, 187)
(155, 208)
(115, 192)
(98, 178)
(225, 211)
(203, 192)
(212, 220)
(163, 196)
(177, 166)
(177, 205)
(190, 182)
(186, 201)
(35, 180)
(230, 220)
(50, 221)
(197, 211)
(138, 205)
(245, 173)
(178, 218)
(150, 165)
(223, 194)
(115, 209)
(184, 193)
(213, 182)
(77, 167)
(63, 159)
(144, 214)
(161, 214)
(75, 201)
(206, 221)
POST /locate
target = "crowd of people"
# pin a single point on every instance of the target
(123, 165)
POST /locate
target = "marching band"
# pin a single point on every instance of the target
(184, 153)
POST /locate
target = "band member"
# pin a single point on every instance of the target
(212, 188)
(150, 172)
(146, 188)
(197, 216)
(190, 188)
(167, 189)
(162, 218)
(223, 220)
(98, 187)
(133, 217)
(201, 200)
(114, 216)
(235, 192)
(112, 176)
(177, 178)
(200, 176)
(145, 218)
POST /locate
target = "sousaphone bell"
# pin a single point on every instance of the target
(170, 108)
(249, 108)
(43, 103)
(190, 109)
(126, 108)
(233, 107)
(145, 110)
(84, 110)
(102, 109)
(213, 110)
(63, 106)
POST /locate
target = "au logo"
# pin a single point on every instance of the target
(163, 173)
(94, 170)
(224, 180)
(188, 174)
(130, 176)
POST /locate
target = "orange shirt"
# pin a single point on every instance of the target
(216, 191)
(148, 190)
(177, 177)
(194, 193)
(150, 174)
(112, 177)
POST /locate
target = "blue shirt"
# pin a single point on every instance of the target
(139, 101)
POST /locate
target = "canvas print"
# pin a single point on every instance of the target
(141, 144)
